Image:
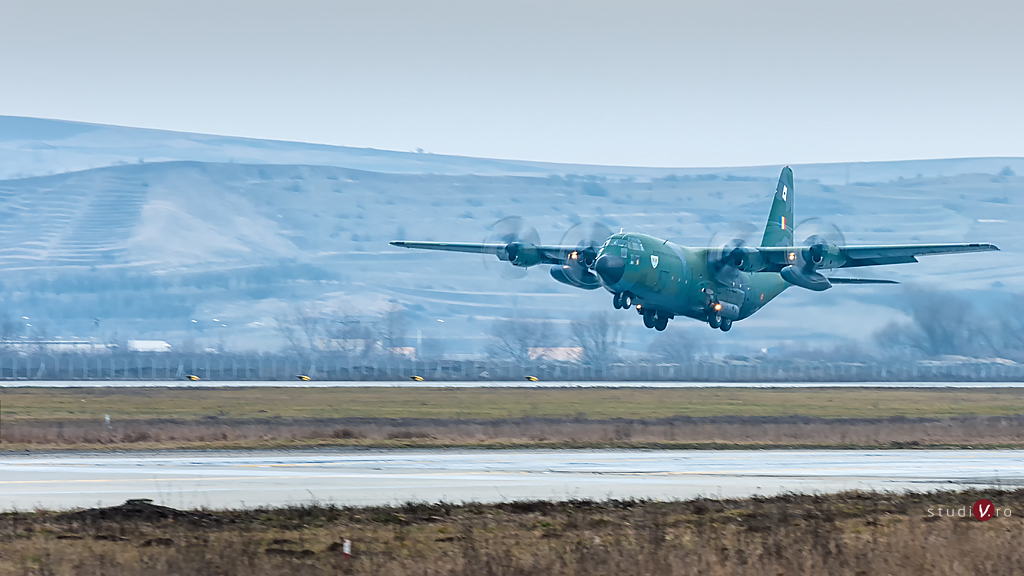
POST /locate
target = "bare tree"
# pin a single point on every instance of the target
(284, 326)
(1010, 328)
(432, 349)
(393, 326)
(301, 328)
(598, 336)
(673, 346)
(941, 324)
(512, 338)
(351, 336)
(10, 330)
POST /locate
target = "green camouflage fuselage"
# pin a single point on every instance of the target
(677, 280)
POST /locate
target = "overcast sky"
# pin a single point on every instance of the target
(666, 83)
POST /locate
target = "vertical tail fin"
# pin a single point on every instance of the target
(779, 229)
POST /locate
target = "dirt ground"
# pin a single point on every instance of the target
(852, 533)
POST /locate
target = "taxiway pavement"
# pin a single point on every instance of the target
(356, 477)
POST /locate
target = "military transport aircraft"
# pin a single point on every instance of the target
(718, 284)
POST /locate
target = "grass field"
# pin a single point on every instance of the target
(844, 534)
(490, 403)
(578, 417)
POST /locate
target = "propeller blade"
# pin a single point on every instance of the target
(587, 237)
(512, 231)
(820, 239)
(727, 251)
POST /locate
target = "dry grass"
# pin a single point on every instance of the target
(845, 534)
(581, 417)
(681, 432)
(503, 403)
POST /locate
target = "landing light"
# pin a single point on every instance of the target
(792, 255)
(718, 307)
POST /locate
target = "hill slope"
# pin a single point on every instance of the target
(142, 250)
(37, 147)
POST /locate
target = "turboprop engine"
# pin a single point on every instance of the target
(820, 250)
(522, 254)
(734, 250)
(576, 269)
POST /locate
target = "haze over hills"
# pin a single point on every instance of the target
(98, 244)
(39, 147)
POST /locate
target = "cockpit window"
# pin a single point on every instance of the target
(635, 244)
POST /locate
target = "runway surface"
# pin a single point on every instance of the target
(481, 384)
(246, 479)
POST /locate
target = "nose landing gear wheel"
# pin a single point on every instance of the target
(621, 301)
(726, 325)
(715, 321)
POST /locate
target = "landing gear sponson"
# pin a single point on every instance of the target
(716, 321)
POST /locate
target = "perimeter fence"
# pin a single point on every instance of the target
(227, 367)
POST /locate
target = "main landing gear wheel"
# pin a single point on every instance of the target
(715, 321)
(661, 323)
(617, 301)
(649, 318)
(726, 325)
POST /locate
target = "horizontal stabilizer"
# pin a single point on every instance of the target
(841, 280)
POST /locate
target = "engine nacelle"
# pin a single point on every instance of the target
(520, 254)
(803, 278)
(725, 310)
(822, 255)
(588, 280)
(747, 259)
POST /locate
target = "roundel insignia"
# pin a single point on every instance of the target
(784, 190)
(654, 261)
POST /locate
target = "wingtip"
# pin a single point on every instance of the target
(397, 243)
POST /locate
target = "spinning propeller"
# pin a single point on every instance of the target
(817, 245)
(518, 238)
(577, 268)
(728, 254)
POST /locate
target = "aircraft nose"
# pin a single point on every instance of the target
(610, 268)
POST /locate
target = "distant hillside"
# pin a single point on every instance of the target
(143, 249)
(38, 147)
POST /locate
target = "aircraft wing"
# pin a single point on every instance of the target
(542, 254)
(778, 257)
(452, 247)
(857, 256)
